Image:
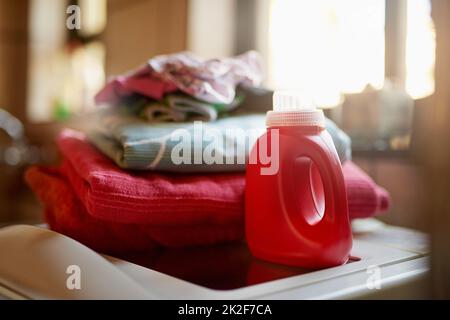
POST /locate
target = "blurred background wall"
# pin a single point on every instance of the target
(138, 30)
(13, 55)
(14, 49)
(435, 154)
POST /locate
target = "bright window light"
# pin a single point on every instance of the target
(330, 47)
(420, 49)
(326, 47)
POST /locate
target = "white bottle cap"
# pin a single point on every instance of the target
(292, 101)
(294, 108)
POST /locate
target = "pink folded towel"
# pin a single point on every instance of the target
(365, 197)
(212, 80)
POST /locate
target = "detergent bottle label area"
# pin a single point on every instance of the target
(267, 154)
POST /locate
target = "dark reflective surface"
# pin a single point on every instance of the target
(221, 267)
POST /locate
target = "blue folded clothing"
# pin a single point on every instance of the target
(217, 146)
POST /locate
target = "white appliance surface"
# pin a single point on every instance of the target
(382, 257)
(399, 254)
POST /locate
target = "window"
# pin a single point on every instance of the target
(420, 49)
(329, 47)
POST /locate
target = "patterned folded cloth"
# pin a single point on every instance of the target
(211, 81)
(184, 108)
(133, 143)
(111, 210)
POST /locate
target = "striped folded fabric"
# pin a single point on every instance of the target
(134, 143)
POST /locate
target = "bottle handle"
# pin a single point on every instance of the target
(319, 183)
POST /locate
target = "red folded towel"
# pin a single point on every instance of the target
(66, 214)
(365, 197)
(110, 193)
(111, 210)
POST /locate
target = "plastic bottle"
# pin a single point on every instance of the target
(296, 210)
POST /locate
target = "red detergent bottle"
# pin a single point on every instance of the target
(296, 202)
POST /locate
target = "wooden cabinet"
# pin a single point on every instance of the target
(405, 182)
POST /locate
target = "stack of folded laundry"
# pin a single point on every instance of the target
(119, 188)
